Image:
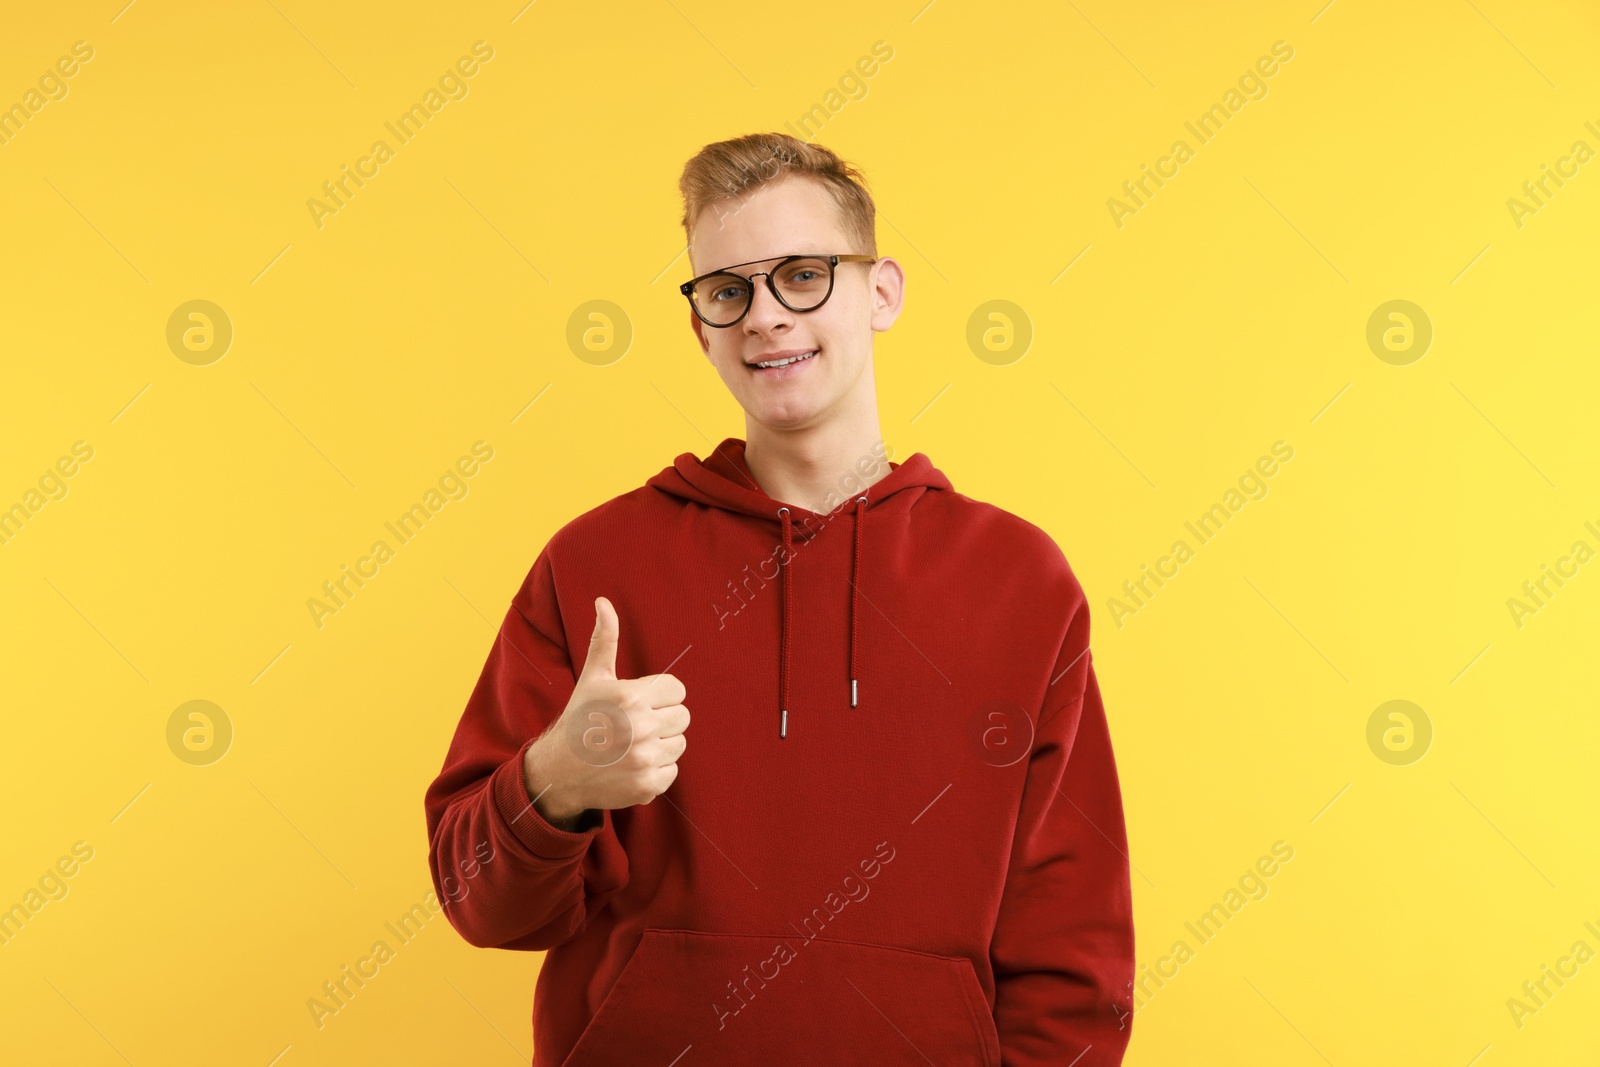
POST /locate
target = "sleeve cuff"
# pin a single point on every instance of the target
(531, 828)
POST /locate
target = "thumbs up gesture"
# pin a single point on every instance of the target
(618, 741)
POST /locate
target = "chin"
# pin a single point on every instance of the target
(785, 417)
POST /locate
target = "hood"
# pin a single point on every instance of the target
(723, 480)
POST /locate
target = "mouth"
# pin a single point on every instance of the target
(784, 364)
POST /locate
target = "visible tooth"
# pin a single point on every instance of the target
(786, 362)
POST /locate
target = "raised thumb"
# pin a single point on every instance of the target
(602, 658)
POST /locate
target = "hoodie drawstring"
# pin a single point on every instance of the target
(855, 589)
(788, 595)
(783, 628)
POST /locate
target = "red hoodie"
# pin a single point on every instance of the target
(896, 835)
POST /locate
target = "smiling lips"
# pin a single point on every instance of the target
(784, 359)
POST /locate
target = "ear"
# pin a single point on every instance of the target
(888, 286)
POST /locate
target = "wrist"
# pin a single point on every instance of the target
(547, 797)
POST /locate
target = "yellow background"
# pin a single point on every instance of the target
(433, 308)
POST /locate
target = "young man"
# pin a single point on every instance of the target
(898, 835)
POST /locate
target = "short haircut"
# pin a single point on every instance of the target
(729, 169)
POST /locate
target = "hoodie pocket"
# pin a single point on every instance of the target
(702, 999)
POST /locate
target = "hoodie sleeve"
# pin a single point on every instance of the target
(507, 877)
(1063, 942)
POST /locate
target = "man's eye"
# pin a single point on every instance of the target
(722, 294)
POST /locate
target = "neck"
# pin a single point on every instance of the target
(818, 467)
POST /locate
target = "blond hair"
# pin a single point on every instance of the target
(729, 169)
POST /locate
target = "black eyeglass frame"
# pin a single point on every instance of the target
(687, 288)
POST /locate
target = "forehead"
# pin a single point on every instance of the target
(792, 214)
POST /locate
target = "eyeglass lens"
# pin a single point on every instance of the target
(803, 284)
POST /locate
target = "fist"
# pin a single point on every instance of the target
(618, 741)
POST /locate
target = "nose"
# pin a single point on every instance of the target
(765, 310)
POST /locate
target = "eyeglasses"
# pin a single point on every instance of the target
(800, 283)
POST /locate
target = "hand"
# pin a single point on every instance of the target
(618, 741)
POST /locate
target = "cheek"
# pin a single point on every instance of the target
(730, 368)
(853, 315)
